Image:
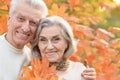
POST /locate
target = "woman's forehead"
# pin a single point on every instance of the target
(51, 30)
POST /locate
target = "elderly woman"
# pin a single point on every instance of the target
(54, 39)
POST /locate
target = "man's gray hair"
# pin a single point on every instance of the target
(38, 4)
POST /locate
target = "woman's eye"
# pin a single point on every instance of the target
(56, 39)
(42, 39)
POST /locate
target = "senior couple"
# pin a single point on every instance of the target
(50, 36)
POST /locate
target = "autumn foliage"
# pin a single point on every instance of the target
(99, 46)
(39, 70)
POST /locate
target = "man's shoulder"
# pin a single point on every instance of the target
(2, 39)
(26, 48)
(2, 36)
(27, 53)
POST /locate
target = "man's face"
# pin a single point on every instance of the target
(22, 25)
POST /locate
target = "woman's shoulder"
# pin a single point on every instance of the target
(77, 65)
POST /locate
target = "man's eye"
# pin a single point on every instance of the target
(33, 23)
(21, 19)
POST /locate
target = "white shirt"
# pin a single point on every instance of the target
(12, 59)
(73, 72)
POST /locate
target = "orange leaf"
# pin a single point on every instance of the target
(4, 7)
(55, 9)
(48, 1)
(7, 2)
(75, 58)
(90, 58)
(114, 29)
(39, 70)
(3, 23)
(115, 43)
(73, 3)
(104, 34)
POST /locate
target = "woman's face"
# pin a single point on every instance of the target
(52, 43)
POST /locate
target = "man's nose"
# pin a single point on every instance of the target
(26, 26)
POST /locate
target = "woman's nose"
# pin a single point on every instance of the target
(50, 45)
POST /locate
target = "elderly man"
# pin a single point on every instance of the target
(24, 17)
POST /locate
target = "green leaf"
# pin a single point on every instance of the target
(3, 11)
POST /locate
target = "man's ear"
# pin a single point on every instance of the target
(8, 17)
(8, 22)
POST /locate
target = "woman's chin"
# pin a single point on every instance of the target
(52, 60)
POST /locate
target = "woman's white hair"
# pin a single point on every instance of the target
(38, 4)
(66, 32)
